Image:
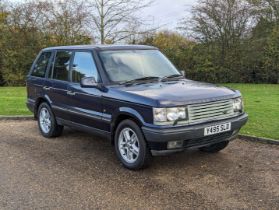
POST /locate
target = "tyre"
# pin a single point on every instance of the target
(130, 146)
(47, 122)
(215, 147)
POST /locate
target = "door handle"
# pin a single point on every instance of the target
(46, 88)
(71, 93)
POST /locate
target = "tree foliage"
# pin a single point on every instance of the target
(28, 27)
(223, 41)
(236, 40)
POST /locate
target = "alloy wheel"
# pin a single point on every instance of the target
(128, 145)
(45, 120)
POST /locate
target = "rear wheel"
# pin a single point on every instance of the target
(130, 146)
(215, 147)
(47, 122)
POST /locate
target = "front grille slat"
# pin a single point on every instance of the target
(208, 104)
(212, 110)
(203, 106)
(212, 114)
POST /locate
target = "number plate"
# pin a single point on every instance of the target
(217, 129)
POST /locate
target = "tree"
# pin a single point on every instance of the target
(3, 29)
(267, 9)
(33, 25)
(115, 20)
(271, 56)
(68, 22)
(220, 22)
(221, 27)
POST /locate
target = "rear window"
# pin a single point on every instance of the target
(41, 65)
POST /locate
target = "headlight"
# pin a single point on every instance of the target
(163, 116)
(238, 105)
(160, 114)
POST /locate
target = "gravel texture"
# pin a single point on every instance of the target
(80, 171)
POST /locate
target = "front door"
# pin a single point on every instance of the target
(86, 104)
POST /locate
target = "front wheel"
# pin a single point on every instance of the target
(130, 146)
(215, 147)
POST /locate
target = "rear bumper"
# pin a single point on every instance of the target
(192, 135)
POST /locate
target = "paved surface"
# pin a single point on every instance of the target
(78, 171)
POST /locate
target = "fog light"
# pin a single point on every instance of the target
(175, 144)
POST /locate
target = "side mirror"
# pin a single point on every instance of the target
(88, 82)
(183, 73)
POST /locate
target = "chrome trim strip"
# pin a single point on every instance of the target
(87, 94)
(96, 115)
(65, 90)
(30, 100)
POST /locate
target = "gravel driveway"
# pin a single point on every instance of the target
(79, 171)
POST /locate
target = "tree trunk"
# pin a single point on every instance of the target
(102, 23)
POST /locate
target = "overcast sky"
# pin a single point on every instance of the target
(169, 12)
(165, 13)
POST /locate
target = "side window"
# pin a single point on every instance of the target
(84, 66)
(62, 65)
(40, 67)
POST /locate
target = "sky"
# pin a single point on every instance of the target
(167, 13)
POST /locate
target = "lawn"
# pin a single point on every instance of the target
(261, 103)
(12, 101)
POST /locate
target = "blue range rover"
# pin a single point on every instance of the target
(133, 96)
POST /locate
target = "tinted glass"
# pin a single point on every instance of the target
(83, 66)
(125, 65)
(62, 65)
(40, 67)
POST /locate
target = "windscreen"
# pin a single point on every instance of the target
(126, 65)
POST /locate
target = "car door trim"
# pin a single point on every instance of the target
(93, 115)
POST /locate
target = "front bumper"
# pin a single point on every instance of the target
(191, 135)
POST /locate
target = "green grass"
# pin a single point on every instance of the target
(12, 101)
(261, 103)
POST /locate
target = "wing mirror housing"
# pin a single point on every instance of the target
(182, 72)
(90, 82)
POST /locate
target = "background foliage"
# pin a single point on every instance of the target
(223, 41)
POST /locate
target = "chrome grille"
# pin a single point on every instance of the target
(210, 111)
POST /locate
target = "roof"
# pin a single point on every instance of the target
(102, 47)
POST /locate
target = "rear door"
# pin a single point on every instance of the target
(85, 103)
(36, 79)
(58, 82)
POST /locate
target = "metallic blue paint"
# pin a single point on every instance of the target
(99, 108)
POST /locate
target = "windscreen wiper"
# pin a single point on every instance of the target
(171, 76)
(129, 82)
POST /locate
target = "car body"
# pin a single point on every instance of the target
(74, 83)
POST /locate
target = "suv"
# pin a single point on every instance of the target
(133, 96)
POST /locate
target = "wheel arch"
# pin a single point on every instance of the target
(124, 114)
(38, 102)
